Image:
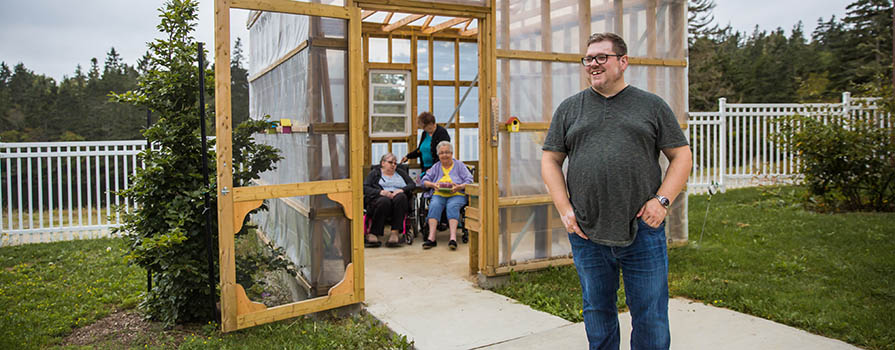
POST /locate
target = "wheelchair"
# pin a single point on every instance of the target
(409, 229)
(421, 211)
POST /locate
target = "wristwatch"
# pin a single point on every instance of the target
(662, 200)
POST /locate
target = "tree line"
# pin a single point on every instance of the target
(854, 54)
(35, 107)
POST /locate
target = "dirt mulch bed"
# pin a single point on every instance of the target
(128, 328)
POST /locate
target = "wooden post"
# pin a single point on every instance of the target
(619, 17)
(651, 39)
(676, 224)
(542, 234)
(584, 32)
(356, 101)
(488, 237)
(505, 159)
(224, 148)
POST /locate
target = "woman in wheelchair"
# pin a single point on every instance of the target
(386, 196)
(446, 181)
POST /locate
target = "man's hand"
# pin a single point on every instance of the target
(652, 213)
(571, 223)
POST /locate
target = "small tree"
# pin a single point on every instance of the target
(166, 232)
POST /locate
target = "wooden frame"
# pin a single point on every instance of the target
(237, 311)
(484, 221)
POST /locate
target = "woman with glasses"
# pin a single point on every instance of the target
(432, 135)
(386, 196)
(446, 181)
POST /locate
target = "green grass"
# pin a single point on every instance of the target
(47, 290)
(762, 254)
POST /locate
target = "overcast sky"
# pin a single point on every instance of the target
(52, 37)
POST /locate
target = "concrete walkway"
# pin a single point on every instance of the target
(426, 296)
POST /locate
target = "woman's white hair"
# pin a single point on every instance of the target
(386, 156)
(444, 144)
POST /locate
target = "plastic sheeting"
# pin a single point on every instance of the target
(651, 28)
(532, 232)
(309, 88)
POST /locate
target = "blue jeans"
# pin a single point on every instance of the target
(453, 204)
(644, 266)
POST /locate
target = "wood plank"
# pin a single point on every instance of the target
(242, 194)
(292, 7)
(402, 22)
(287, 56)
(425, 7)
(575, 58)
(427, 22)
(224, 147)
(444, 25)
(283, 312)
(365, 14)
(529, 126)
(356, 119)
(328, 128)
(472, 224)
(520, 201)
(473, 190)
(380, 65)
(329, 43)
(469, 32)
(584, 32)
(532, 265)
(472, 212)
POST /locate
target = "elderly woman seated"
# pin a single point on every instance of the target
(447, 181)
(386, 196)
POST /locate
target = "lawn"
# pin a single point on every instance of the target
(762, 254)
(49, 290)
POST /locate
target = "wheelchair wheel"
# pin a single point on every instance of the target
(465, 237)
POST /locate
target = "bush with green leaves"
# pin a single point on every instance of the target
(848, 163)
(166, 232)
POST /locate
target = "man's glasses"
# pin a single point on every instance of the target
(392, 162)
(601, 59)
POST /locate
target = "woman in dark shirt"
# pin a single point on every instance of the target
(432, 135)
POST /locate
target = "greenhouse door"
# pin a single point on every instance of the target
(308, 73)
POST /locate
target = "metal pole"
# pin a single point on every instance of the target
(148, 148)
(204, 150)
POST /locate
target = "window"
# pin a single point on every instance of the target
(389, 103)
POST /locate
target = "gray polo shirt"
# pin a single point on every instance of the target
(613, 147)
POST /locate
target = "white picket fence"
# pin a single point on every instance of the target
(53, 191)
(732, 147)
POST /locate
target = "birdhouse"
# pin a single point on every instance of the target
(285, 126)
(513, 124)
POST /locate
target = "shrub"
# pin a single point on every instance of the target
(848, 163)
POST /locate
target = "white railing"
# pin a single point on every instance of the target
(732, 147)
(52, 191)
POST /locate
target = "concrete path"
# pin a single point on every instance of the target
(426, 296)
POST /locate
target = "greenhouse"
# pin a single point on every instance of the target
(342, 83)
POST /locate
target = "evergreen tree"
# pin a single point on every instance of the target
(239, 86)
(870, 29)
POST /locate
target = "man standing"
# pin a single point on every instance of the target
(616, 202)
